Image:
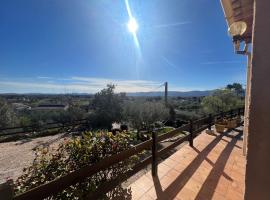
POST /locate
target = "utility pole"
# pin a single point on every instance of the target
(166, 93)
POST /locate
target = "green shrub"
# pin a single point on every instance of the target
(167, 129)
(143, 115)
(72, 155)
(107, 108)
(222, 100)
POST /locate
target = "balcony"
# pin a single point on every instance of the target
(214, 168)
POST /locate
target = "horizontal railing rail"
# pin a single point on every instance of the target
(172, 133)
(33, 126)
(59, 184)
(65, 181)
(173, 145)
(48, 126)
(107, 186)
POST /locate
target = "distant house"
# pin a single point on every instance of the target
(21, 106)
(51, 107)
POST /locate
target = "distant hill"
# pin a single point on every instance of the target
(195, 93)
(172, 94)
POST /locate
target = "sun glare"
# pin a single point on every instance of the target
(132, 25)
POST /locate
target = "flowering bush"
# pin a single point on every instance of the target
(72, 155)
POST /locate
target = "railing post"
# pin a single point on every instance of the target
(191, 133)
(154, 154)
(222, 114)
(231, 113)
(209, 122)
(7, 190)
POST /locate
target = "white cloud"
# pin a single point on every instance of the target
(44, 77)
(222, 62)
(76, 85)
(169, 63)
(171, 24)
(185, 89)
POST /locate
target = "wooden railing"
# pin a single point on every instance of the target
(30, 130)
(56, 124)
(59, 184)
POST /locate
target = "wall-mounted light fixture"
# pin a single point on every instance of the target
(237, 30)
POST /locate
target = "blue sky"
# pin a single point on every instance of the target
(81, 45)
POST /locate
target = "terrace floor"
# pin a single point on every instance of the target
(213, 169)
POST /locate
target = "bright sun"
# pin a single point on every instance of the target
(132, 25)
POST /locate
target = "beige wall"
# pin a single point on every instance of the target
(258, 152)
(247, 103)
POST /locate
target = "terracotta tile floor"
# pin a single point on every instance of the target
(213, 169)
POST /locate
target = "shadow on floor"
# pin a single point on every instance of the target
(211, 181)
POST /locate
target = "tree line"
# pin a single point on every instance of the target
(106, 107)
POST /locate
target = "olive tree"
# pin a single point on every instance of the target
(6, 114)
(237, 87)
(143, 114)
(107, 108)
(221, 100)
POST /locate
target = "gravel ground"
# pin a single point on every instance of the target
(14, 156)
